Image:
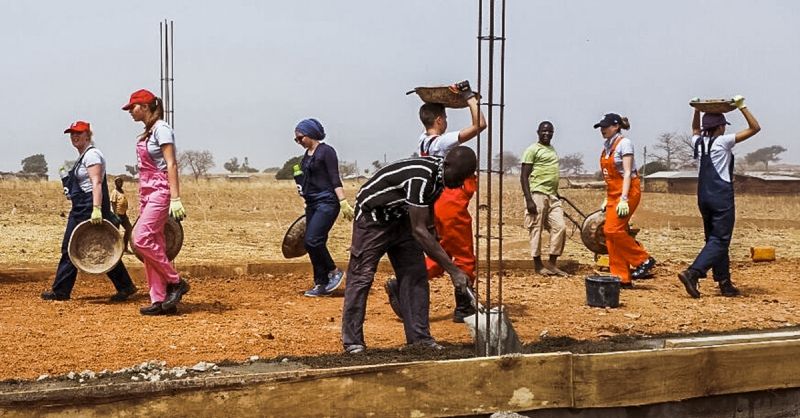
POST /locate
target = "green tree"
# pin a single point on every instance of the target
(653, 167)
(571, 163)
(232, 165)
(765, 155)
(34, 164)
(286, 172)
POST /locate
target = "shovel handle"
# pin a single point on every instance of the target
(473, 299)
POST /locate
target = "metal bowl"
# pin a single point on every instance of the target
(95, 249)
(441, 95)
(173, 234)
(293, 246)
(713, 105)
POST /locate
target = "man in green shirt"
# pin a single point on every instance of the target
(539, 179)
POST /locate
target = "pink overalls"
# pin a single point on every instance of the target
(148, 236)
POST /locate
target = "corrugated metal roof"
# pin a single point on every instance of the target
(673, 175)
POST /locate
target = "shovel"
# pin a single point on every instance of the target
(502, 339)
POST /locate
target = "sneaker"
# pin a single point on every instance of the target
(175, 292)
(728, 290)
(690, 280)
(316, 291)
(393, 291)
(334, 280)
(124, 294)
(355, 349)
(643, 270)
(157, 308)
(51, 295)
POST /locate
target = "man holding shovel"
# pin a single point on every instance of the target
(451, 216)
(392, 214)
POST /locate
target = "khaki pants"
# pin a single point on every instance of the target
(549, 216)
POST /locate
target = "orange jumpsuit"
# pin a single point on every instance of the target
(454, 226)
(623, 250)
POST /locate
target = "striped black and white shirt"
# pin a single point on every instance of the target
(411, 182)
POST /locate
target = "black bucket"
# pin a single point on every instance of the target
(602, 291)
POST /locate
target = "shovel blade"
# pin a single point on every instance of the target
(500, 338)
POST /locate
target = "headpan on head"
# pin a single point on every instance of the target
(311, 128)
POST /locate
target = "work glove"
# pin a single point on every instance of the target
(622, 208)
(97, 215)
(463, 89)
(62, 172)
(738, 101)
(605, 202)
(346, 209)
(176, 209)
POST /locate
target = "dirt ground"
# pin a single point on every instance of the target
(232, 317)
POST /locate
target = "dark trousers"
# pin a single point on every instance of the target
(321, 212)
(370, 242)
(67, 272)
(125, 223)
(718, 221)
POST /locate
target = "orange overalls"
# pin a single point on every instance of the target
(454, 226)
(623, 250)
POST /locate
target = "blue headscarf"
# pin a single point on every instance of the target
(311, 128)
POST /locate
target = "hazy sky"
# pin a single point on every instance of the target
(248, 71)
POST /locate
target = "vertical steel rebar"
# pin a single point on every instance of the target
(172, 75)
(477, 244)
(485, 231)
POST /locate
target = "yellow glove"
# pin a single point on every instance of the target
(738, 100)
(97, 215)
(176, 209)
(347, 210)
(622, 208)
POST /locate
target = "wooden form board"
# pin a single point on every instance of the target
(731, 339)
(654, 376)
(455, 387)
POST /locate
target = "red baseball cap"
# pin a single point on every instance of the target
(77, 127)
(139, 97)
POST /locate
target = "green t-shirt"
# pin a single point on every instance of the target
(544, 178)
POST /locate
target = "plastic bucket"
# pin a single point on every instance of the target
(602, 291)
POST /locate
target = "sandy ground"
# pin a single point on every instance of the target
(236, 316)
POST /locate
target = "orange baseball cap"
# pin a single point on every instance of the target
(139, 97)
(78, 127)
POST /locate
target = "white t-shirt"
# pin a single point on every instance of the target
(721, 153)
(624, 147)
(91, 157)
(161, 134)
(440, 145)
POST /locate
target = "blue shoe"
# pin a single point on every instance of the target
(317, 291)
(334, 280)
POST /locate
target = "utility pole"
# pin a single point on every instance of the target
(166, 33)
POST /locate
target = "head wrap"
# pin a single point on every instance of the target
(311, 128)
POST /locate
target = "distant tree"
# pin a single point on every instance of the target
(347, 169)
(653, 167)
(377, 165)
(133, 169)
(271, 169)
(286, 172)
(232, 165)
(765, 155)
(198, 162)
(668, 143)
(510, 161)
(684, 156)
(34, 164)
(414, 154)
(245, 168)
(572, 163)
